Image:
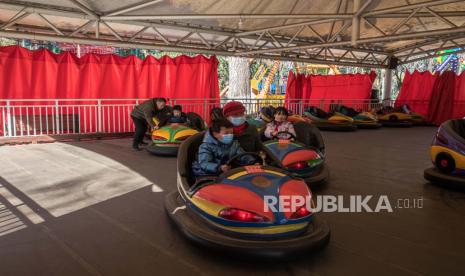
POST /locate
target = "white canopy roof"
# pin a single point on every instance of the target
(347, 32)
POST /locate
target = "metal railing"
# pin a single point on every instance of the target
(35, 117)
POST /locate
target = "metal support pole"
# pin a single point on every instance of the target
(205, 113)
(8, 120)
(99, 116)
(57, 118)
(355, 23)
(387, 85)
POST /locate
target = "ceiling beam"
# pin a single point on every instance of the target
(431, 56)
(141, 31)
(427, 42)
(404, 21)
(20, 15)
(395, 37)
(183, 49)
(422, 51)
(409, 7)
(226, 16)
(107, 42)
(84, 8)
(83, 27)
(50, 24)
(133, 7)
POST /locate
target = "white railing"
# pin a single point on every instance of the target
(35, 117)
(55, 117)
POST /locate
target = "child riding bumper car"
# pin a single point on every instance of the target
(302, 156)
(448, 155)
(295, 146)
(228, 212)
(361, 119)
(167, 139)
(328, 121)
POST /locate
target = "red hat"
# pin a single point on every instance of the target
(232, 108)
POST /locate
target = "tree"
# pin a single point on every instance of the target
(239, 78)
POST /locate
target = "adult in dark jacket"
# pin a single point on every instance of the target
(144, 114)
(245, 133)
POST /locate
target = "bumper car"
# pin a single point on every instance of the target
(327, 121)
(227, 213)
(364, 120)
(294, 118)
(448, 155)
(297, 159)
(417, 119)
(390, 117)
(167, 139)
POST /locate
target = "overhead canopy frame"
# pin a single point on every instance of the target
(365, 33)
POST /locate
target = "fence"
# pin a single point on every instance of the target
(37, 117)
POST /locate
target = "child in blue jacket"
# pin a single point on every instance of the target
(217, 148)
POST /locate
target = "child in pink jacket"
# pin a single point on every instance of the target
(280, 124)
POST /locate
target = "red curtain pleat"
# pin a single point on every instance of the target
(416, 91)
(442, 98)
(459, 97)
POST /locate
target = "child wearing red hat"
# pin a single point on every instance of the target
(246, 134)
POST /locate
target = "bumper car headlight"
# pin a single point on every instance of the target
(241, 215)
(300, 213)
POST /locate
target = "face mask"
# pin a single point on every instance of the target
(237, 121)
(227, 139)
(177, 115)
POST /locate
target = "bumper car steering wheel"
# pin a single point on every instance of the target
(292, 136)
(234, 162)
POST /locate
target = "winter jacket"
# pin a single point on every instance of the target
(212, 154)
(178, 120)
(148, 110)
(249, 139)
(279, 126)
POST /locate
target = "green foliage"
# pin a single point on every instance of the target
(223, 72)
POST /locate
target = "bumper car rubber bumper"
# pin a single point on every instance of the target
(446, 180)
(163, 150)
(195, 229)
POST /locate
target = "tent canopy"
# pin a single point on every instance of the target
(346, 32)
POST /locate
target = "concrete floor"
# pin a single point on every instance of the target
(96, 208)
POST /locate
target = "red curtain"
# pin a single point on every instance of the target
(438, 97)
(459, 97)
(41, 74)
(416, 91)
(338, 88)
(442, 98)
